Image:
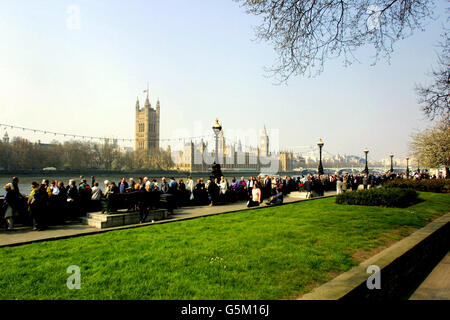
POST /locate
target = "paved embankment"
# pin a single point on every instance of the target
(437, 285)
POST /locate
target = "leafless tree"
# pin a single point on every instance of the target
(434, 98)
(307, 33)
(78, 155)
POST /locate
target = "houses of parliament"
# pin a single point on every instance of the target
(195, 157)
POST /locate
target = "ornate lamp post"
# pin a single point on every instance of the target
(217, 128)
(407, 168)
(392, 162)
(418, 166)
(320, 144)
(366, 170)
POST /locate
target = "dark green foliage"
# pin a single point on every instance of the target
(431, 185)
(387, 197)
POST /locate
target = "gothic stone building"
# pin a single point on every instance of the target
(197, 157)
(147, 126)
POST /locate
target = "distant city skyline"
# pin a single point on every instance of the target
(78, 66)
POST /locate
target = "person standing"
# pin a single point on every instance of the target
(173, 186)
(164, 185)
(338, 186)
(132, 184)
(200, 193)
(139, 184)
(144, 200)
(96, 192)
(154, 185)
(123, 186)
(37, 202)
(190, 188)
(365, 181)
(308, 187)
(45, 185)
(183, 193)
(8, 206)
(96, 197)
(145, 182)
(55, 189)
(85, 193)
(72, 198)
(16, 200)
(250, 184)
(213, 191)
(344, 185)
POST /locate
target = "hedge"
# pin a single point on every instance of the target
(428, 185)
(387, 197)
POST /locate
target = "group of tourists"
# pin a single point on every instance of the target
(214, 190)
(47, 201)
(54, 202)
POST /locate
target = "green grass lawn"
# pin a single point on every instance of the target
(272, 253)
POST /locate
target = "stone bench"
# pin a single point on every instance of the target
(101, 221)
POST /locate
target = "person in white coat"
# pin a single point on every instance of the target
(190, 187)
(338, 186)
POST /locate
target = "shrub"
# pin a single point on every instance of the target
(387, 197)
(428, 185)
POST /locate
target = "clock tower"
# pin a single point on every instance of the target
(264, 143)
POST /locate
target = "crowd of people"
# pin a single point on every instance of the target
(56, 203)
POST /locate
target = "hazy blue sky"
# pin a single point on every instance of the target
(200, 59)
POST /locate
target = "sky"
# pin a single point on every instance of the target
(201, 59)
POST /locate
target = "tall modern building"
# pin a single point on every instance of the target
(147, 126)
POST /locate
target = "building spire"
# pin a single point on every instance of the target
(147, 101)
(137, 103)
(6, 137)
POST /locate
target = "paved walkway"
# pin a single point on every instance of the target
(26, 235)
(437, 285)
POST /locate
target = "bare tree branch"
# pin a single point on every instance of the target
(306, 34)
(434, 98)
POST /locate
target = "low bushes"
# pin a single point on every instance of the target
(428, 185)
(387, 197)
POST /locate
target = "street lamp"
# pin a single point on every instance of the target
(320, 144)
(392, 162)
(407, 168)
(217, 128)
(366, 170)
